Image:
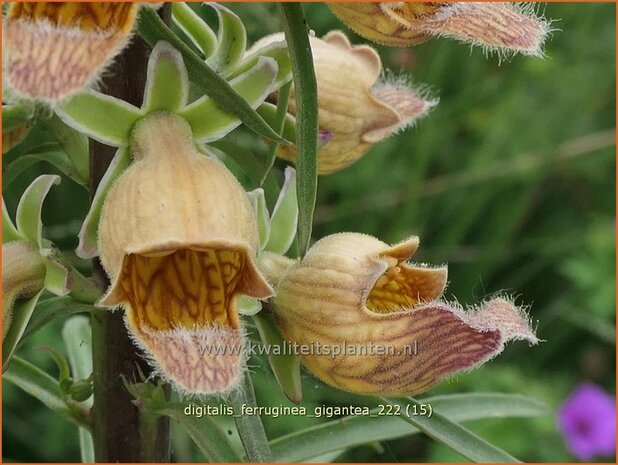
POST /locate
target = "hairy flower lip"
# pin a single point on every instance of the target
(261, 288)
(352, 289)
(55, 50)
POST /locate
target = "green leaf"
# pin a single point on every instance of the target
(306, 94)
(61, 278)
(286, 367)
(87, 247)
(104, 118)
(28, 217)
(56, 158)
(77, 336)
(248, 306)
(284, 220)
(9, 231)
(22, 311)
(357, 430)
(250, 427)
(232, 41)
(15, 116)
(195, 28)
(74, 145)
(43, 387)
(153, 29)
(167, 84)
(257, 199)
(64, 372)
(268, 111)
(205, 432)
(279, 126)
(210, 121)
(51, 309)
(277, 51)
(453, 435)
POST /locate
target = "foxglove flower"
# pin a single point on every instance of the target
(588, 422)
(54, 50)
(495, 26)
(381, 318)
(355, 109)
(177, 237)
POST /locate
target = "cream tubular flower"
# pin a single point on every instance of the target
(54, 50)
(178, 237)
(386, 330)
(355, 109)
(501, 26)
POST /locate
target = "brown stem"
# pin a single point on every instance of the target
(118, 429)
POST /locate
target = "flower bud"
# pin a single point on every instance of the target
(13, 137)
(380, 326)
(355, 111)
(492, 25)
(178, 237)
(23, 276)
(54, 50)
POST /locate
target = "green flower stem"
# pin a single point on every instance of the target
(282, 109)
(75, 145)
(250, 427)
(83, 289)
(153, 29)
(306, 93)
(119, 431)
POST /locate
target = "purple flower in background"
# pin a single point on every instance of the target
(588, 422)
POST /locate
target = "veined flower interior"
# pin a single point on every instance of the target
(92, 17)
(403, 286)
(185, 288)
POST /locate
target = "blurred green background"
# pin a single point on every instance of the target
(510, 180)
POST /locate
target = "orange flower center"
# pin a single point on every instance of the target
(87, 16)
(186, 288)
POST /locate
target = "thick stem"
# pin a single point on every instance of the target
(117, 423)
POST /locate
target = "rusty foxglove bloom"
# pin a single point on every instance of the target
(493, 25)
(386, 331)
(54, 50)
(178, 237)
(355, 109)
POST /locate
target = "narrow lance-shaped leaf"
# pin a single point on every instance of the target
(15, 116)
(195, 28)
(258, 201)
(268, 111)
(277, 51)
(56, 158)
(30, 206)
(279, 126)
(453, 435)
(356, 430)
(284, 221)
(22, 311)
(232, 39)
(306, 94)
(250, 427)
(167, 84)
(286, 367)
(87, 247)
(104, 118)
(9, 231)
(206, 434)
(52, 309)
(153, 29)
(74, 144)
(209, 121)
(43, 387)
(76, 334)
